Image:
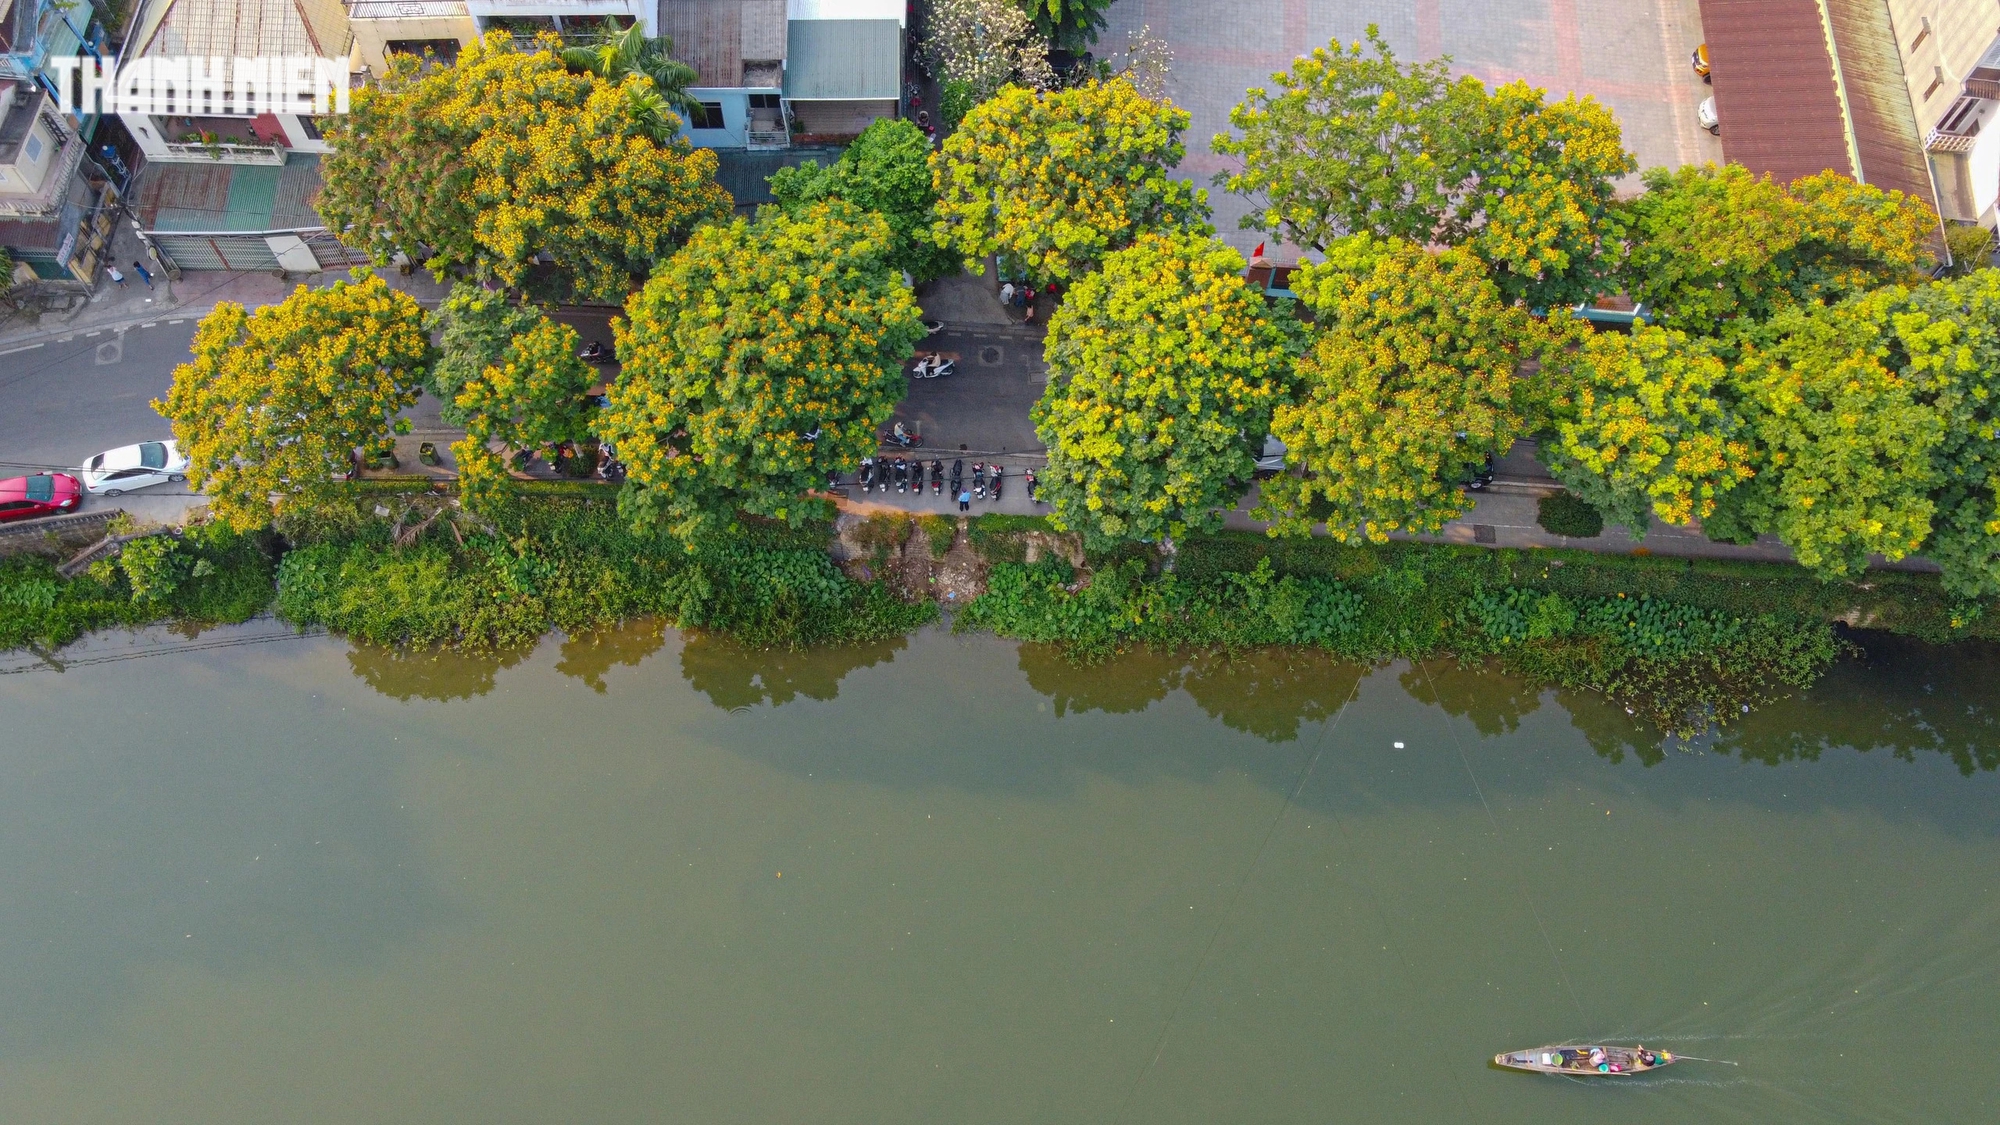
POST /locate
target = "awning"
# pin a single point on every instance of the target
(844, 60)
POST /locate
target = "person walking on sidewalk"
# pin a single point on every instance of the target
(144, 274)
(117, 278)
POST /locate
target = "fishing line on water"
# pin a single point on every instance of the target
(1519, 880)
(1160, 1045)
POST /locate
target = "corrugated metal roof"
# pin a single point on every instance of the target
(1801, 88)
(1774, 87)
(844, 60)
(1878, 98)
(243, 28)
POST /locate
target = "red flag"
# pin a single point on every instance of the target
(1258, 252)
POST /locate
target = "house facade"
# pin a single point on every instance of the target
(1950, 51)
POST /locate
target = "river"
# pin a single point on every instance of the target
(634, 877)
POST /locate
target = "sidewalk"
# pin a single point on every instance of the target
(197, 292)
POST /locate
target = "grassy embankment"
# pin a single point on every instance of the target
(1681, 642)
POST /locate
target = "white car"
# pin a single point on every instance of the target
(1705, 116)
(117, 471)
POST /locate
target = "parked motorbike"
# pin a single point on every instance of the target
(595, 352)
(867, 475)
(902, 475)
(937, 478)
(957, 477)
(832, 479)
(933, 327)
(978, 481)
(999, 474)
(1034, 488)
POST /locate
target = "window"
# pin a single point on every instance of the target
(41, 487)
(710, 117)
(764, 101)
(153, 455)
(16, 505)
(128, 474)
(309, 126)
(1937, 79)
(33, 148)
(1921, 35)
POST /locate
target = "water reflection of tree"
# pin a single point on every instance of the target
(1495, 701)
(1130, 681)
(733, 675)
(427, 673)
(1868, 704)
(588, 656)
(1265, 692)
(1612, 731)
(1268, 692)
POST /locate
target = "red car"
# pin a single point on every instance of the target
(44, 494)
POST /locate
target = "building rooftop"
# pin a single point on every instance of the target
(729, 43)
(844, 60)
(404, 9)
(240, 28)
(20, 102)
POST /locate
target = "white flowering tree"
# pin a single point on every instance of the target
(984, 45)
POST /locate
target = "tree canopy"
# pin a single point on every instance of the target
(532, 397)
(1652, 429)
(273, 403)
(760, 356)
(1409, 385)
(1351, 141)
(886, 170)
(1069, 24)
(1164, 367)
(506, 155)
(627, 50)
(1710, 245)
(474, 326)
(1058, 181)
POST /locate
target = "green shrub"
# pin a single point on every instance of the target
(1565, 514)
(955, 100)
(942, 531)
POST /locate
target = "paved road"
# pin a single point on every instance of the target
(66, 399)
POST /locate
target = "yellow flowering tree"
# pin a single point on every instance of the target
(1843, 445)
(1057, 181)
(1709, 246)
(532, 398)
(1653, 429)
(759, 357)
(273, 403)
(506, 155)
(1411, 383)
(1351, 141)
(1164, 368)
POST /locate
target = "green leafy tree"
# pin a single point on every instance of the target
(1948, 340)
(274, 403)
(1164, 367)
(531, 399)
(1708, 245)
(626, 51)
(505, 156)
(1069, 24)
(759, 357)
(1842, 444)
(1410, 384)
(1652, 430)
(1058, 181)
(886, 170)
(1353, 142)
(474, 326)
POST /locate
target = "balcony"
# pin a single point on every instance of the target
(272, 156)
(1941, 141)
(767, 139)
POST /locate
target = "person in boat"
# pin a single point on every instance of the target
(1598, 1059)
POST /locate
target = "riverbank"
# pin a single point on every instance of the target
(1682, 643)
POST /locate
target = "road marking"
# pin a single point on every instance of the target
(22, 348)
(99, 332)
(183, 320)
(150, 324)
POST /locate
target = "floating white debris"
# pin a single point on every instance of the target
(1399, 746)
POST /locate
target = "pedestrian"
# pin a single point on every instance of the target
(145, 275)
(964, 501)
(117, 278)
(1007, 293)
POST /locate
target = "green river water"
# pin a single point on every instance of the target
(634, 878)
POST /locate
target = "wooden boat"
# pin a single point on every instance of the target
(1587, 1060)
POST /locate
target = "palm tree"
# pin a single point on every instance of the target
(625, 51)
